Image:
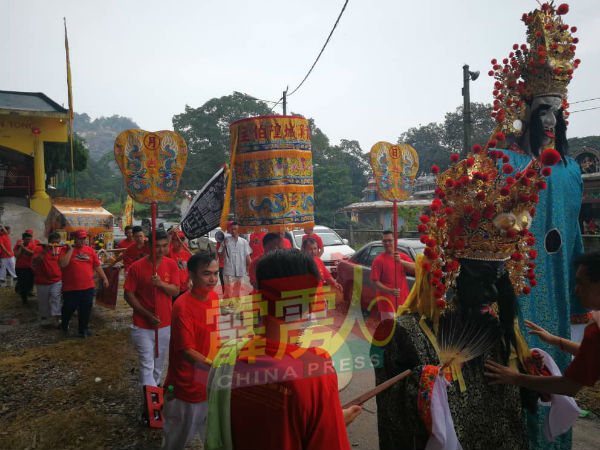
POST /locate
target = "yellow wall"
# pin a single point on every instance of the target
(15, 131)
(16, 134)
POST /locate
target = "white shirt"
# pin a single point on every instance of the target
(236, 252)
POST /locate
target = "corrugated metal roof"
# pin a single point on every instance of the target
(29, 101)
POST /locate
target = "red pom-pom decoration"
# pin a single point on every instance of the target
(470, 162)
(430, 253)
(541, 185)
(423, 239)
(530, 173)
(507, 168)
(477, 148)
(500, 136)
(431, 243)
(422, 228)
(562, 9)
(550, 157)
(480, 196)
(526, 290)
(510, 181)
(424, 219)
(492, 143)
(530, 241)
(454, 157)
(435, 169)
(440, 303)
(532, 254)
(426, 266)
(546, 171)
(441, 223)
(532, 283)
(448, 211)
(516, 256)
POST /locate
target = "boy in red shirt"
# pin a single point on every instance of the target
(282, 398)
(48, 279)
(180, 254)
(310, 246)
(78, 263)
(584, 370)
(309, 233)
(135, 251)
(193, 346)
(256, 244)
(388, 270)
(23, 253)
(149, 294)
(7, 258)
(129, 240)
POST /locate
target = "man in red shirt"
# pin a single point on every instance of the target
(286, 242)
(309, 233)
(193, 346)
(78, 263)
(48, 279)
(310, 246)
(388, 274)
(7, 258)
(281, 397)
(33, 238)
(270, 242)
(179, 253)
(149, 294)
(584, 370)
(135, 251)
(256, 244)
(23, 252)
(129, 240)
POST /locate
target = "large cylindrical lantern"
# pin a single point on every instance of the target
(273, 173)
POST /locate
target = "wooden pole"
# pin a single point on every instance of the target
(153, 249)
(396, 248)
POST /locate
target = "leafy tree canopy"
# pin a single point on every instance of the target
(57, 156)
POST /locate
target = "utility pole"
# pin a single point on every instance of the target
(284, 102)
(467, 75)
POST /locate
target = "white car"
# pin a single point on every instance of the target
(335, 248)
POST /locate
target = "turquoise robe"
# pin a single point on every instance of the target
(552, 302)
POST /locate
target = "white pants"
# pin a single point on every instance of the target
(233, 286)
(7, 265)
(151, 368)
(182, 421)
(49, 299)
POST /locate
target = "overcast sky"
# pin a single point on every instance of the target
(389, 66)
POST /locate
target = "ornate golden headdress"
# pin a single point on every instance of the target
(483, 211)
(544, 68)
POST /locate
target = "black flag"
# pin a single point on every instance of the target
(204, 213)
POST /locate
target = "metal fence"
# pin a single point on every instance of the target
(357, 238)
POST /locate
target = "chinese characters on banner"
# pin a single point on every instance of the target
(204, 212)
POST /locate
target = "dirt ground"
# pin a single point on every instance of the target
(72, 393)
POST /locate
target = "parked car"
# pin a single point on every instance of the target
(335, 248)
(365, 257)
(205, 242)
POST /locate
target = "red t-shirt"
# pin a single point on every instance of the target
(316, 237)
(585, 367)
(256, 244)
(190, 330)
(326, 277)
(139, 282)
(5, 241)
(132, 254)
(301, 410)
(46, 271)
(286, 243)
(125, 243)
(382, 270)
(79, 273)
(24, 261)
(181, 258)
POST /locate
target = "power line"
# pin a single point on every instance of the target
(322, 49)
(587, 109)
(586, 100)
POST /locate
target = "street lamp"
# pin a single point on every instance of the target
(467, 75)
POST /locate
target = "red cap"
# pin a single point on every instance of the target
(29, 231)
(81, 234)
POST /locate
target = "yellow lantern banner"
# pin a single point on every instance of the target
(394, 168)
(151, 163)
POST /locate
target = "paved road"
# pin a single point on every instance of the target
(363, 435)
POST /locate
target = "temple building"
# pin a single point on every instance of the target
(28, 121)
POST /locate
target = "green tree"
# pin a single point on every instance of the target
(482, 126)
(206, 132)
(57, 156)
(427, 140)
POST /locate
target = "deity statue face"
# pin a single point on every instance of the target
(547, 108)
(546, 127)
